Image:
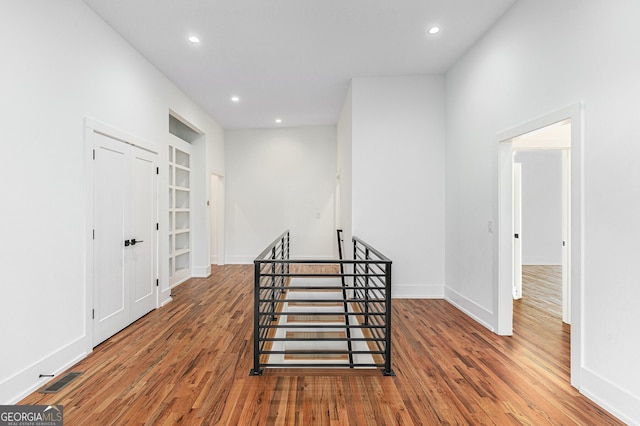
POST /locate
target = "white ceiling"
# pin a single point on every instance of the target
(293, 59)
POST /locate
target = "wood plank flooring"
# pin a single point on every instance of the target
(188, 363)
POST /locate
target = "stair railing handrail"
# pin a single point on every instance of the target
(370, 251)
(379, 255)
(274, 254)
(345, 304)
(266, 253)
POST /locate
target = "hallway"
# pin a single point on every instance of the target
(189, 363)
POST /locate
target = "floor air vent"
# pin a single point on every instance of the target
(62, 382)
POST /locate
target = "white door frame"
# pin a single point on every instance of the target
(90, 127)
(503, 285)
(217, 209)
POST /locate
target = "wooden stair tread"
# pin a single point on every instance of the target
(316, 304)
(316, 357)
(311, 318)
(316, 335)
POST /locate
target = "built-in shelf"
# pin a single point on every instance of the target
(179, 212)
(181, 252)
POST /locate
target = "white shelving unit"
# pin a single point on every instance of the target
(179, 213)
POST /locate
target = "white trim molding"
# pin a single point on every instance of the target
(503, 300)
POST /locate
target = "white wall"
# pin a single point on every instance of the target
(62, 64)
(398, 177)
(280, 179)
(541, 206)
(542, 56)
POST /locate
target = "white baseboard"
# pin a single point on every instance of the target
(165, 297)
(417, 291)
(239, 260)
(27, 381)
(615, 400)
(201, 271)
(217, 261)
(481, 315)
(177, 283)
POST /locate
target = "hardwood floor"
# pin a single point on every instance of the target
(188, 363)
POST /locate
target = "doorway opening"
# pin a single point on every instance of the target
(337, 215)
(216, 213)
(542, 206)
(187, 255)
(538, 135)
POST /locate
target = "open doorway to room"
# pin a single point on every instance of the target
(542, 219)
(557, 134)
(216, 206)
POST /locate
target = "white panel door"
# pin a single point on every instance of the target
(142, 255)
(566, 238)
(517, 230)
(111, 209)
(125, 240)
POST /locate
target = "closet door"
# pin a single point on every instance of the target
(111, 210)
(142, 228)
(125, 236)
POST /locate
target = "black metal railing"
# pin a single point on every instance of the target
(364, 285)
(345, 304)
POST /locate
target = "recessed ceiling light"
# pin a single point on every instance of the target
(194, 39)
(235, 99)
(278, 120)
(434, 30)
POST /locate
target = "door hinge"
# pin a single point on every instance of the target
(93, 314)
(94, 154)
(94, 234)
(516, 236)
(157, 226)
(157, 170)
(157, 282)
(563, 244)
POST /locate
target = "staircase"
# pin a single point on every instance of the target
(305, 318)
(313, 324)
